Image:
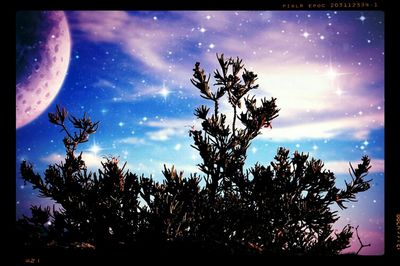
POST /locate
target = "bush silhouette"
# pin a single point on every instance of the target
(279, 209)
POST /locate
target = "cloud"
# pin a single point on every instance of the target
(177, 147)
(348, 127)
(342, 167)
(140, 37)
(174, 123)
(91, 160)
(53, 158)
(146, 92)
(313, 103)
(103, 83)
(132, 140)
(163, 134)
(169, 128)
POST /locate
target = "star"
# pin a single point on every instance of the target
(95, 148)
(332, 74)
(164, 92)
(362, 18)
(306, 34)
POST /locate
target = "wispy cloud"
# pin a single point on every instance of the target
(103, 83)
(164, 134)
(53, 158)
(342, 167)
(350, 127)
(91, 160)
(139, 36)
(314, 103)
(169, 128)
(354, 128)
(135, 95)
(132, 140)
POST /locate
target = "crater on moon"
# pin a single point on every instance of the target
(43, 47)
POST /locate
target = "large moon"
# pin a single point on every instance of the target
(43, 47)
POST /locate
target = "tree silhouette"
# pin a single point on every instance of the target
(281, 208)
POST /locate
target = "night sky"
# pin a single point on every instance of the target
(131, 71)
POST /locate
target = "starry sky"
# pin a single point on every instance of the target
(131, 71)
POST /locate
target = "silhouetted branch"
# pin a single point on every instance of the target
(361, 244)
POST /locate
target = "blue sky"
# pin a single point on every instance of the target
(132, 70)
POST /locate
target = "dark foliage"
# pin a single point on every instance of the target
(281, 208)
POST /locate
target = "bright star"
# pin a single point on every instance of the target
(306, 34)
(164, 92)
(95, 148)
(332, 74)
(362, 18)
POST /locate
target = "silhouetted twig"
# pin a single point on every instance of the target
(359, 240)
